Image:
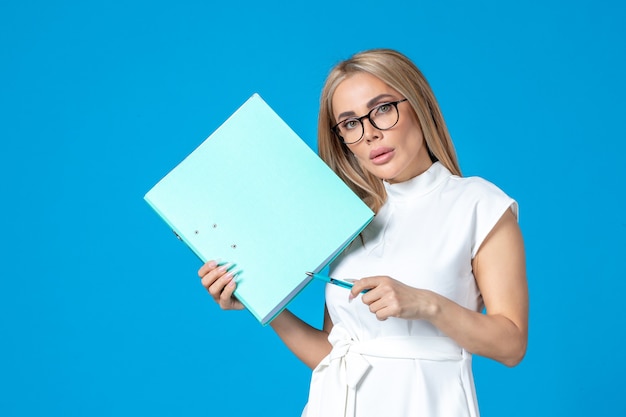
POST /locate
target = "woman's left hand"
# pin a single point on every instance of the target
(387, 297)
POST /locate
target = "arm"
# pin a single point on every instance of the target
(499, 268)
(309, 344)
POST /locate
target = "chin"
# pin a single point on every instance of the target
(382, 173)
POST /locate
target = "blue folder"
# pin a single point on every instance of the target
(254, 194)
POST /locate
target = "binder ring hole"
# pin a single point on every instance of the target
(234, 246)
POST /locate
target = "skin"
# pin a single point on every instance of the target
(499, 266)
(355, 96)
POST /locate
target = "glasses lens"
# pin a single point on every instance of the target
(385, 116)
(350, 130)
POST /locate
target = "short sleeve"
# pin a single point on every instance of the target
(489, 206)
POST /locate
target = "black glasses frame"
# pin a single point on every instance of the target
(368, 116)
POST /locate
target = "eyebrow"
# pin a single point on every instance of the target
(370, 104)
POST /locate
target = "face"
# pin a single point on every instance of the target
(394, 155)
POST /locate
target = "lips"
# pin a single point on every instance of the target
(381, 155)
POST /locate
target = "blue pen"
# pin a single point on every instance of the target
(338, 282)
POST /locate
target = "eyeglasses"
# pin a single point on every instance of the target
(382, 117)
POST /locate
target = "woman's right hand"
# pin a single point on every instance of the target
(220, 284)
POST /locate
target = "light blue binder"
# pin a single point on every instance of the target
(253, 193)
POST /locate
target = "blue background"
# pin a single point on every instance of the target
(101, 311)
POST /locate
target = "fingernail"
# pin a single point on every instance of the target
(350, 297)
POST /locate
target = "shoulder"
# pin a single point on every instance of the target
(473, 185)
(478, 195)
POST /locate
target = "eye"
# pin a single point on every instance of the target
(383, 108)
(349, 124)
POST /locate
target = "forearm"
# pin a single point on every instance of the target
(491, 335)
(309, 344)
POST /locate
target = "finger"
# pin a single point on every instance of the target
(357, 287)
(363, 284)
(206, 268)
(371, 296)
(213, 275)
(211, 281)
(227, 299)
(216, 287)
(382, 314)
(381, 310)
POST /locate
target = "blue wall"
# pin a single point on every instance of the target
(101, 311)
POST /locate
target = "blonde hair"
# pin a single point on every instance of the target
(399, 73)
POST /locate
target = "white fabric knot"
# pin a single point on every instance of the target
(342, 370)
(351, 365)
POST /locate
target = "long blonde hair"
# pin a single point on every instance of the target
(399, 73)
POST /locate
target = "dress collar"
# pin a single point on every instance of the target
(419, 185)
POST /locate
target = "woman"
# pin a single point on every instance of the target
(440, 249)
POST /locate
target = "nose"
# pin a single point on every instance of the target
(370, 132)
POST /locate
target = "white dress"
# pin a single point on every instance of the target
(426, 236)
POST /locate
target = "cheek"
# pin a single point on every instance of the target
(366, 165)
(360, 157)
